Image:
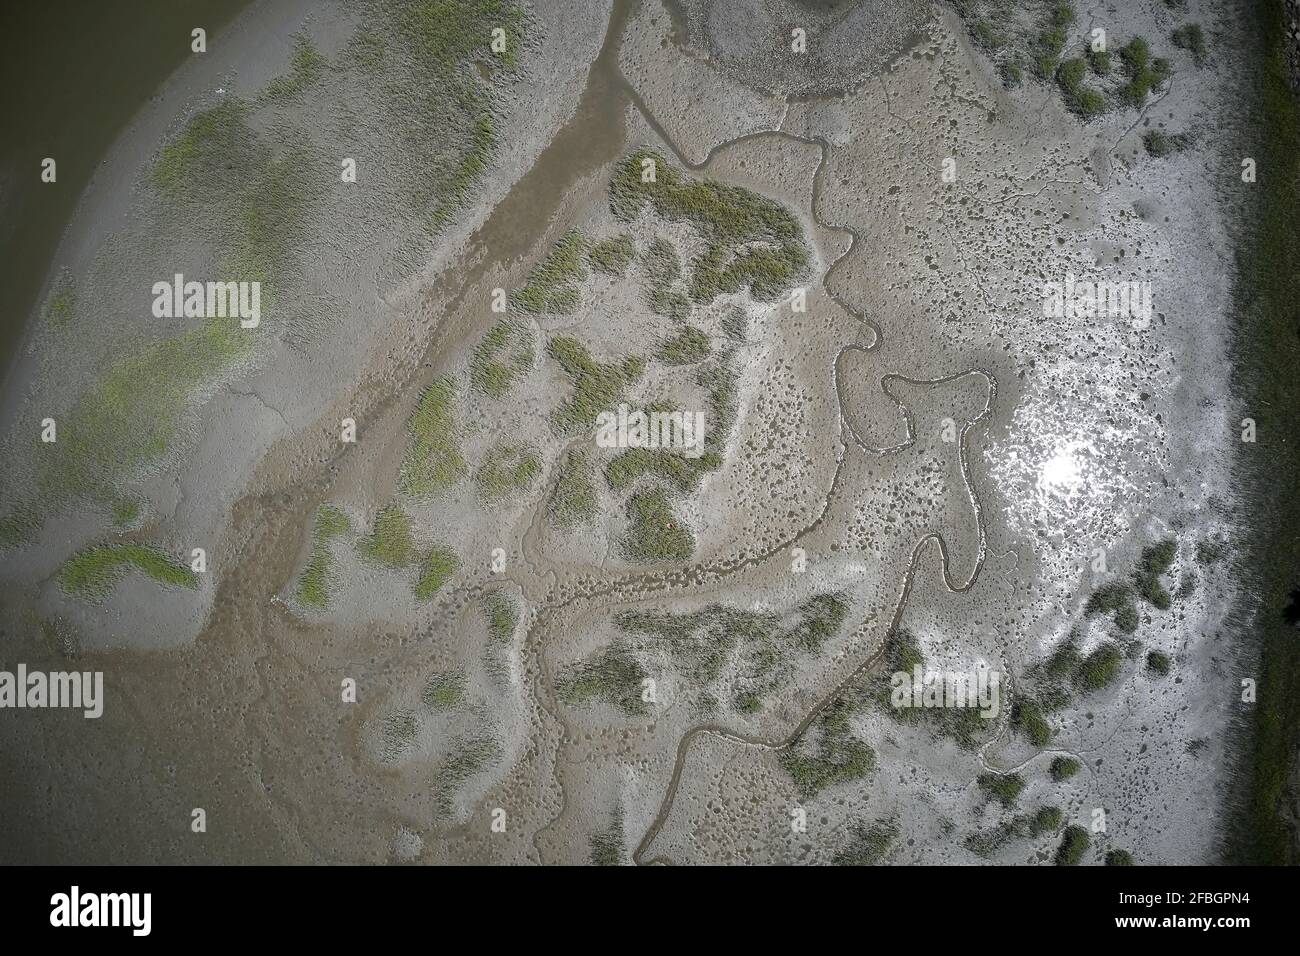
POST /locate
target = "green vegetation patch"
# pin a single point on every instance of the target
(131, 418)
(597, 387)
(505, 352)
(1079, 98)
(306, 67)
(1145, 74)
(654, 532)
(686, 347)
(95, 571)
(751, 649)
(1046, 820)
(62, 301)
(1155, 561)
(1159, 144)
(1119, 858)
(1158, 662)
(1191, 37)
(502, 613)
(317, 579)
(607, 845)
(828, 753)
(443, 691)
(552, 286)
(213, 143)
(469, 756)
(125, 512)
(507, 470)
(433, 460)
(1074, 844)
(1003, 787)
(437, 566)
(614, 677)
(391, 543)
(1099, 669)
(612, 256)
(750, 241)
(868, 845)
(574, 500)
(1063, 768)
(1114, 598)
(662, 270)
(1027, 717)
(903, 655)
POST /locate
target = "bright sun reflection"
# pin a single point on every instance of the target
(1061, 472)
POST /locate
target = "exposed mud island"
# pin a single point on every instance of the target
(377, 575)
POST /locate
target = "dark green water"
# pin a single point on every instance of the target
(73, 73)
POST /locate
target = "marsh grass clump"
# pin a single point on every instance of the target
(449, 86)
(1191, 37)
(868, 845)
(1146, 74)
(502, 613)
(61, 304)
(751, 649)
(687, 347)
(125, 512)
(494, 374)
(1046, 820)
(1074, 844)
(306, 66)
(1079, 98)
(680, 470)
(132, 417)
(655, 533)
(903, 655)
(1099, 61)
(828, 753)
(1158, 662)
(1063, 768)
(1119, 858)
(397, 734)
(574, 501)
(1210, 551)
(1003, 787)
(1027, 717)
(215, 142)
(1099, 669)
(1114, 598)
(507, 470)
(662, 269)
(614, 677)
(433, 461)
(436, 567)
(552, 286)
(94, 572)
(1155, 561)
(751, 241)
(469, 756)
(390, 544)
(1159, 144)
(612, 256)
(607, 845)
(597, 387)
(314, 585)
(984, 843)
(1050, 42)
(443, 691)
(735, 323)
